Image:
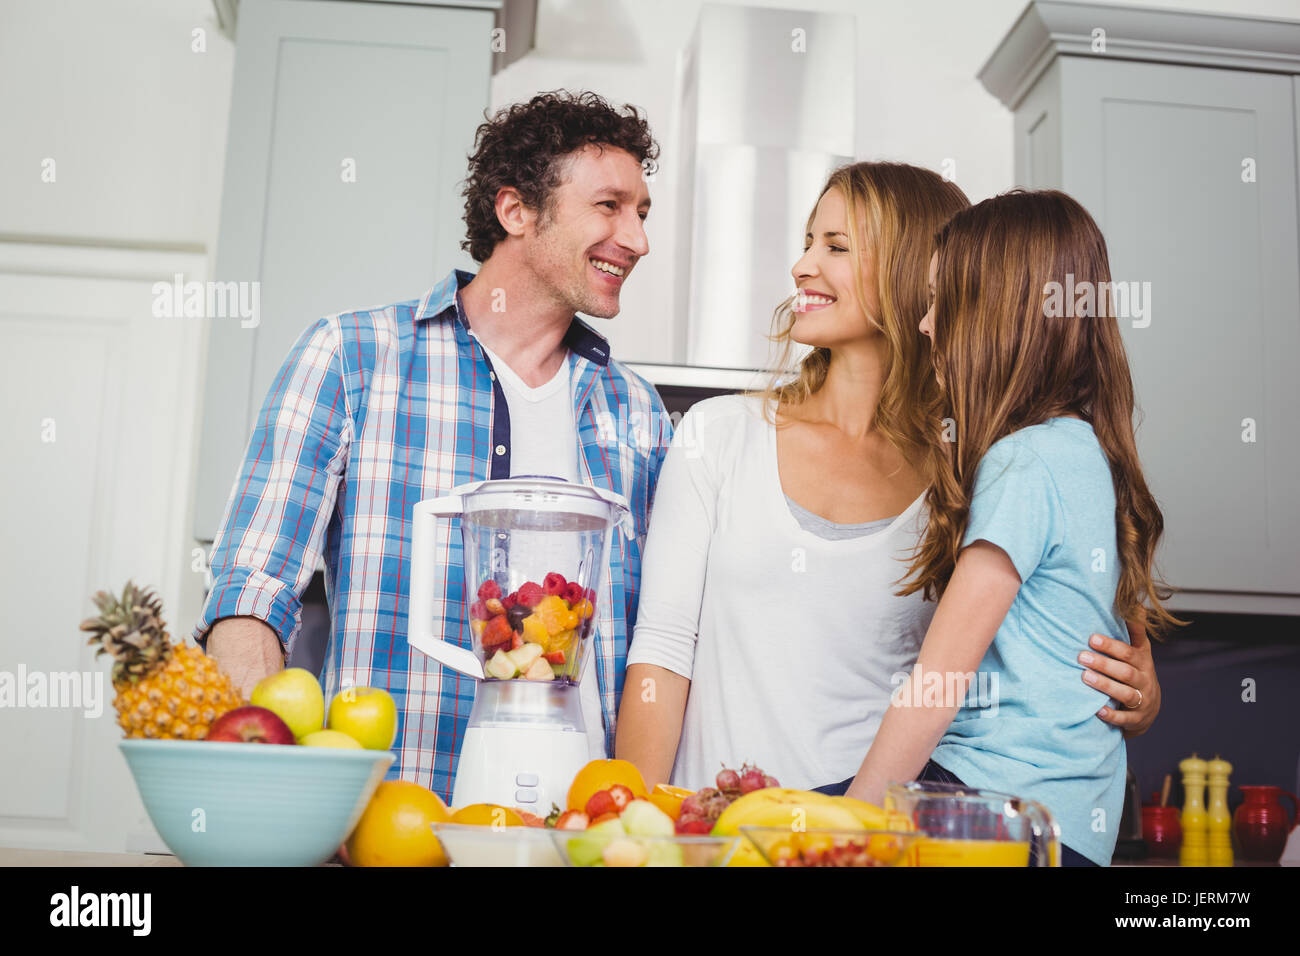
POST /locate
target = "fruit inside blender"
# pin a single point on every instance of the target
(535, 632)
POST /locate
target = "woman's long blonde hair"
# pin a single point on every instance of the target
(1009, 357)
(893, 212)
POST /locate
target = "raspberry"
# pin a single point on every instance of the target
(489, 589)
(573, 593)
(554, 584)
(509, 601)
(530, 594)
(478, 611)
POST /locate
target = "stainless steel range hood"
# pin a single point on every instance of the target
(767, 111)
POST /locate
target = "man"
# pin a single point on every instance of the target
(376, 410)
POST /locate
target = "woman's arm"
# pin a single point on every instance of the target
(650, 720)
(983, 586)
(1127, 673)
(661, 655)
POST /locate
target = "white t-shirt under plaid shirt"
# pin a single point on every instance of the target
(378, 409)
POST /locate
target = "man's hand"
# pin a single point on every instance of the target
(1127, 673)
(247, 649)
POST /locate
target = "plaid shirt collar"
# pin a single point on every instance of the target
(443, 303)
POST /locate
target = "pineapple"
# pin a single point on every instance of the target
(164, 690)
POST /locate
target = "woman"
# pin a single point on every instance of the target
(1039, 520)
(768, 629)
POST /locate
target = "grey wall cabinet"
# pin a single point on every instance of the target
(350, 124)
(1178, 132)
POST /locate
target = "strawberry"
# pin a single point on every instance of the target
(516, 641)
(554, 583)
(572, 820)
(603, 817)
(496, 634)
(555, 657)
(489, 590)
(621, 796)
(530, 594)
(601, 803)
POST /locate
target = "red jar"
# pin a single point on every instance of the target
(1260, 824)
(1162, 832)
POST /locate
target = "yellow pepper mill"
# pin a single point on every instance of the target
(1195, 848)
(1220, 820)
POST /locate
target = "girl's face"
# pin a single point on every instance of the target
(827, 313)
(927, 320)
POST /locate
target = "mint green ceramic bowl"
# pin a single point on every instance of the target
(243, 804)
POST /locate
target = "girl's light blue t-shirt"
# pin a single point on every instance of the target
(1044, 495)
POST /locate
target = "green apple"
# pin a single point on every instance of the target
(642, 818)
(366, 714)
(329, 738)
(587, 847)
(295, 696)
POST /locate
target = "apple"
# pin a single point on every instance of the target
(253, 725)
(295, 695)
(366, 714)
(329, 738)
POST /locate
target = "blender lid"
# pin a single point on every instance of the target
(544, 484)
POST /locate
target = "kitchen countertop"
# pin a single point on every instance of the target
(13, 856)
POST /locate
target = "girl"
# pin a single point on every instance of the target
(1040, 528)
(768, 630)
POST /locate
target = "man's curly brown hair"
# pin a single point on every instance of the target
(526, 145)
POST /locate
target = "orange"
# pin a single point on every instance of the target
(487, 815)
(395, 828)
(601, 775)
(669, 799)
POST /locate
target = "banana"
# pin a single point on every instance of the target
(783, 807)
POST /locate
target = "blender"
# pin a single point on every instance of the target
(535, 554)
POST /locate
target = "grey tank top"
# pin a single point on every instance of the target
(816, 524)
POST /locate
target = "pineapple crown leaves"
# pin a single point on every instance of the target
(131, 630)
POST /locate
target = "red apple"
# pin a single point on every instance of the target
(251, 725)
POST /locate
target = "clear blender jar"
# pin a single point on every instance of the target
(535, 552)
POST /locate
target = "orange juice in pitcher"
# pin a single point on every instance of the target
(965, 826)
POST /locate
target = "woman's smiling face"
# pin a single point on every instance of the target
(826, 308)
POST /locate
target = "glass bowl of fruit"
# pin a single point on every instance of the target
(605, 844)
(783, 846)
(488, 845)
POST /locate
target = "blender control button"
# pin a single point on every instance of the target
(525, 796)
(526, 779)
(501, 449)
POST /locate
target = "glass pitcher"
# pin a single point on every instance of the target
(535, 552)
(965, 826)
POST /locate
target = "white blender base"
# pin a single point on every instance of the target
(518, 767)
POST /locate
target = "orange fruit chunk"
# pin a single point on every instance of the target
(487, 815)
(395, 828)
(601, 775)
(669, 798)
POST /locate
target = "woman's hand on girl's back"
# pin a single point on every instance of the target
(1127, 673)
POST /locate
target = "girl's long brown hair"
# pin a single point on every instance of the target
(1008, 356)
(893, 210)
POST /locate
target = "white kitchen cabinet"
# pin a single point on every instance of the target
(350, 124)
(1179, 135)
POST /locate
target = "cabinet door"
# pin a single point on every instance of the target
(1191, 174)
(349, 128)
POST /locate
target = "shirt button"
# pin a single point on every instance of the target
(492, 375)
(501, 449)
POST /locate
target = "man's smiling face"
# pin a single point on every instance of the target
(585, 244)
